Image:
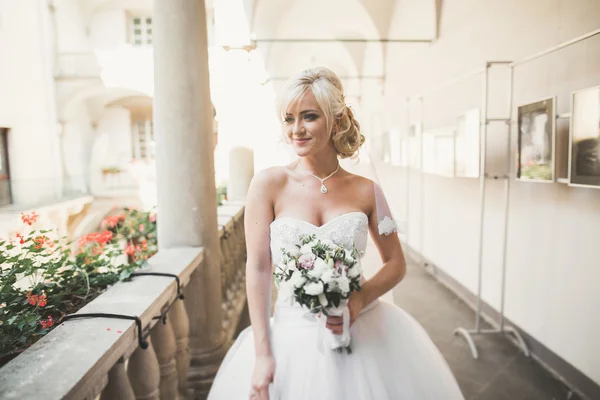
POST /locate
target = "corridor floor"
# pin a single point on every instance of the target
(502, 371)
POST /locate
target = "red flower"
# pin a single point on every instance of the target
(47, 323)
(112, 221)
(41, 240)
(29, 219)
(37, 300)
(130, 250)
(42, 301)
(32, 299)
(97, 237)
(153, 218)
(21, 239)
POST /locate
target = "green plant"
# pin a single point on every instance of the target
(111, 170)
(221, 194)
(42, 279)
(138, 230)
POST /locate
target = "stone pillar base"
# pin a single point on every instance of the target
(203, 368)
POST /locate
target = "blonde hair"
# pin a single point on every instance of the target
(329, 93)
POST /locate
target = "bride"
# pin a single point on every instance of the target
(282, 358)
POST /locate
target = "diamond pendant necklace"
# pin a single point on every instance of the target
(323, 187)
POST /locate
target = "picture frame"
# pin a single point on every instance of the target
(467, 152)
(438, 152)
(536, 141)
(445, 161)
(584, 138)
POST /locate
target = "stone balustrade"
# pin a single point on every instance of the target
(104, 357)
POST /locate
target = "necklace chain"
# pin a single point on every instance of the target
(322, 180)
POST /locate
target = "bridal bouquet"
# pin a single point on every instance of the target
(320, 275)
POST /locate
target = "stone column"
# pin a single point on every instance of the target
(187, 208)
(241, 171)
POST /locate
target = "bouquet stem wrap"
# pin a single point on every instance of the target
(330, 339)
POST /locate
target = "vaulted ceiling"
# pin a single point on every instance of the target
(280, 26)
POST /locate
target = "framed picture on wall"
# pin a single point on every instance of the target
(584, 138)
(536, 141)
(438, 152)
(414, 146)
(466, 145)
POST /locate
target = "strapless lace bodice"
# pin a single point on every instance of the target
(345, 229)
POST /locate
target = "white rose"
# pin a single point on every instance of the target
(314, 289)
(343, 284)
(297, 280)
(328, 243)
(295, 252)
(328, 276)
(354, 271)
(306, 249)
(291, 265)
(319, 268)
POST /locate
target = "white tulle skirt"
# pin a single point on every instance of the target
(392, 358)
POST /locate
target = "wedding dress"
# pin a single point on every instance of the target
(392, 356)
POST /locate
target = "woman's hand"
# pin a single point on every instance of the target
(355, 305)
(264, 372)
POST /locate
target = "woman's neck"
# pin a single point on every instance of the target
(320, 165)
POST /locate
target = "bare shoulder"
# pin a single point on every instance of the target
(364, 189)
(269, 179)
(362, 184)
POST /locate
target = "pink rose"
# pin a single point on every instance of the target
(307, 261)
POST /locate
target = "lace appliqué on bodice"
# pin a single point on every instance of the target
(343, 230)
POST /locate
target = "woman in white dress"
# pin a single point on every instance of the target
(281, 358)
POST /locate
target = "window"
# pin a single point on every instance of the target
(141, 31)
(142, 140)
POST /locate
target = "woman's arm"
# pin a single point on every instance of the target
(388, 276)
(257, 219)
(394, 263)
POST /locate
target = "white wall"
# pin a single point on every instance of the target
(109, 28)
(77, 139)
(116, 123)
(553, 256)
(112, 145)
(71, 27)
(27, 100)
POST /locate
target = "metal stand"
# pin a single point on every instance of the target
(483, 177)
(468, 334)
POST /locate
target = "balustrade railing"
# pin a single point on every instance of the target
(140, 350)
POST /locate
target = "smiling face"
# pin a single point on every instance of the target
(306, 127)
